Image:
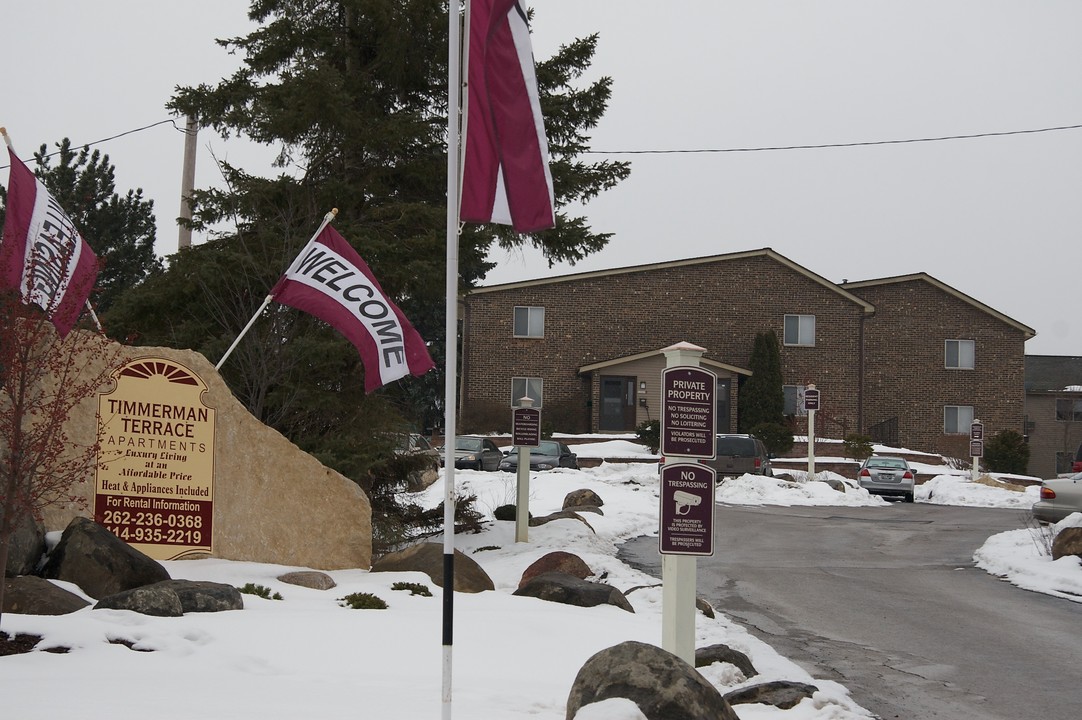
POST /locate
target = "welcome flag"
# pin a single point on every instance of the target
(505, 174)
(42, 256)
(330, 281)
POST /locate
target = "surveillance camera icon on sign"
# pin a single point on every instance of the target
(685, 501)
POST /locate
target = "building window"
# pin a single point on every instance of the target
(529, 322)
(957, 419)
(794, 400)
(1069, 409)
(959, 354)
(531, 387)
(800, 330)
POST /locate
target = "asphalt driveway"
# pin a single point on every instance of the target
(887, 601)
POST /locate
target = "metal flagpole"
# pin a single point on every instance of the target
(267, 300)
(450, 380)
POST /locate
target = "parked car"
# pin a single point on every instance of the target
(415, 444)
(546, 456)
(422, 462)
(739, 455)
(1076, 466)
(1059, 498)
(886, 475)
(476, 453)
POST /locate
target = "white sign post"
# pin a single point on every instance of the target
(526, 431)
(678, 570)
(811, 404)
(976, 448)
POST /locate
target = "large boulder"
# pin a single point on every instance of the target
(155, 600)
(557, 561)
(723, 653)
(204, 595)
(661, 684)
(31, 595)
(1068, 542)
(309, 578)
(469, 577)
(561, 515)
(26, 548)
(782, 694)
(268, 493)
(100, 563)
(173, 598)
(583, 499)
(570, 590)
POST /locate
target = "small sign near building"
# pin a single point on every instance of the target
(526, 427)
(976, 430)
(976, 448)
(811, 399)
(688, 414)
(687, 509)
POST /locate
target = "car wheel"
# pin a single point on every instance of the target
(909, 497)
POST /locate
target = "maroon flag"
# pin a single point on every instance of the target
(331, 281)
(42, 256)
(505, 177)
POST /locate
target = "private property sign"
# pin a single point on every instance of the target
(687, 509)
(688, 417)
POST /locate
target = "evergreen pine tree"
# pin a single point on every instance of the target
(353, 94)
(119, 229)
(762, 397)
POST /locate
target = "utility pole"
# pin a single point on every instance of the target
(187, 183)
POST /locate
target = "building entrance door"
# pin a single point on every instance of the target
(617, 403)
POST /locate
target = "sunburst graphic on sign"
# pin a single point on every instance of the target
(150, 368)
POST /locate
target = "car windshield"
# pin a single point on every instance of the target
(547, 447)
(468, 443)
(736, 446)
(891, 463)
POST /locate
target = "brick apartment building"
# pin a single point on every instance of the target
(908, 360)
(1053, 412)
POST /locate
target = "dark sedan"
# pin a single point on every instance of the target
(548, 455)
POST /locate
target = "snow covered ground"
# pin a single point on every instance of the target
(308, 656)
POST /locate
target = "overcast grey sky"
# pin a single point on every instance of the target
(995, 217)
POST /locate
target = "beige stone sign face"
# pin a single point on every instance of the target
(155, 475)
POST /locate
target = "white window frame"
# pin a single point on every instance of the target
(965, 354)
(1075, 412)
(962, 423)
(533, 387)
(797, 392)
(534, 318)
(804, 327)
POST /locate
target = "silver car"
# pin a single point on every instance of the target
(887, 475)
(1059, 498)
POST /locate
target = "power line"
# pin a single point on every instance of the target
(114, 137)
(832, 145)
(691, 151)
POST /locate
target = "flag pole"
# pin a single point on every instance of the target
(454, 89)
(267, 300)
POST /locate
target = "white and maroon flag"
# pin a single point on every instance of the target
(505, 173)
(42, 256)
(331, 281)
